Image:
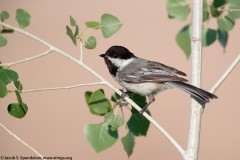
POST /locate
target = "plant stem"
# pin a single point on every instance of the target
(27, 59)
(64, 87)
(20, 140)
(225, 75)
(196, 108)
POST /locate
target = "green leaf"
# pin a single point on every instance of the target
(93, 24)
(19, 98)
(222, 38)
(214, 11)
(4, 15)
(3, 41)
(98, 103)
(3, 90)
(7, 76)
(234, 4)
(76, 32)
(23, 18)
(18, 85)
(109, 25)
(72, 21)
(115, 97)
(178, 9)
(114, 120)
(128, 142)
(225, 23)
(138, 99)
(138, 124)
(5, 30)
(91, 43)
(205, 11)
(100, 136)
(208, 36)
(17, 110)
(71, 35)
(219, 3)
(183, 40)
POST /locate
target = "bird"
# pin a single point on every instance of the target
(146, 77)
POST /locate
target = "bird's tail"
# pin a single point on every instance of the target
(194, 91)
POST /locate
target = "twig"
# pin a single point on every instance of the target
(81, 52)
(65, 87)
(225, 75)
(20, 140)
(229, 10)
(196, 108)
(27, 59)
(162, 130)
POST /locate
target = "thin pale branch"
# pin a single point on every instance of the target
(21, 141)
(161, 129)
(229, 10)
(27, 59)
(225, 75)
(196, 55)
(81, 52)
(65, 87)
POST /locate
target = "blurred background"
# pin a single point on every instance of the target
(55, 120)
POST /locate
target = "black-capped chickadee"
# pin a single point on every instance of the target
(147, 78)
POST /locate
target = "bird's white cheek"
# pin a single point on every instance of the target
(120, 63)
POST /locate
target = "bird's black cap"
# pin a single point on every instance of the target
(118, 52)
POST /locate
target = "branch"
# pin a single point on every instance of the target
(162, 130)
(27, 59)
(229, 10)
(20, 140)
(65, 87)
(196, 108)
(225, 75)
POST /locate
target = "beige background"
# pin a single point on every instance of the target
(55, 121)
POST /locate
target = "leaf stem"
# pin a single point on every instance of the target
(225, 75)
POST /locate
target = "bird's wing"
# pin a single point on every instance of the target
(153, 72)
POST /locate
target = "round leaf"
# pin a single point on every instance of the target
(3, 90)
(208, 36)
(17, 110)
(109, 25)
(4, 15)
(7, 76)
(184, 41)
(178, 9)
(91, 43)
(99, 136)
(3, 40)
(225, 23)
(23, 18)
(98, 103)
(93, 24)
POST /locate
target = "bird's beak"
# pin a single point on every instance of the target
(102, 55)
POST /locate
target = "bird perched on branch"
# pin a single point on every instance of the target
(147, 78)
